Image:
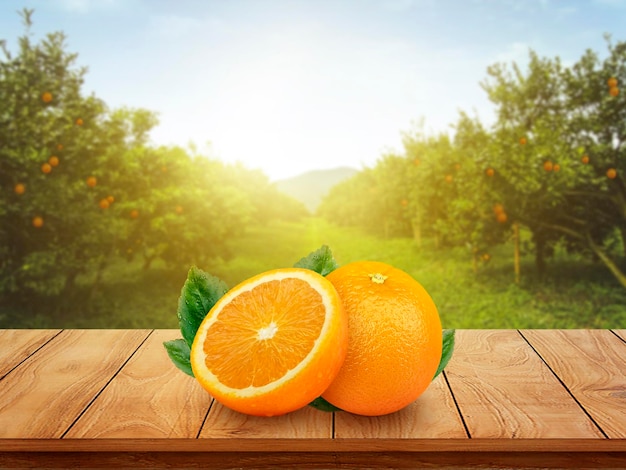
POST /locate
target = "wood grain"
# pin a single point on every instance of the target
(504, 390)
(305, 423)
(17, 345)
(621, 334)
(47, 392)
(149, 397)
(432, 415)
(592, 365)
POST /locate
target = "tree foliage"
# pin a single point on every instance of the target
(80, 183)
(553, 162)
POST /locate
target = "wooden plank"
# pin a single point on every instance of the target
(504, 390)
(47, 392)
(433, 415)
(149, 397)
(306, 423)
(17, 345)
(592, 365)
(621, 334)
(323, 460)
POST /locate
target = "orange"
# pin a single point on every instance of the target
(448, 178)
(486, 256)
(585, 159)
(111, 199)
(556, 167)
(501, 217)
(179, 209)
(53, 160)
(498, 208)
(611, 173)
(46, 97)
(104, 204)
(91, 181)
(523, 140)
(394, 344)
(37, 222)
(46, 168)
(490, 172)
(613, 91)
(612, 82)
(19, 188)
(79, 122)
(59, 147)
(134, 213)
(273, 343)
(547, 165)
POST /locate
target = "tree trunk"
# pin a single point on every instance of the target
(622, 231)
(516, 254)
(417, 232)
(608, 262)
(148, 261)
(540, 260)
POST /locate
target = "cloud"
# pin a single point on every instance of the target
(85, 6)
(173, 26)
(516, 52)
(611, 3)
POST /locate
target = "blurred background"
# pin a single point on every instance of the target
(478, 145)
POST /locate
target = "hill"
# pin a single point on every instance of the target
(312, 186)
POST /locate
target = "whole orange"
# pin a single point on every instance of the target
(611, 173)
(19, 188)
(613, 91)
(490, 172)
(46, 168)
(612, 82)
(394, 339)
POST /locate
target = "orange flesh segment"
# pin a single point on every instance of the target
(263, 333)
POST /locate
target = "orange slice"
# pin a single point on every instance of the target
(273, 343)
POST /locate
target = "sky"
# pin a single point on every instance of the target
(289, 86)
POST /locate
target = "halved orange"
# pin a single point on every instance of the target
(272, 344)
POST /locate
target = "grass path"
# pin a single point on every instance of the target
(575, 294)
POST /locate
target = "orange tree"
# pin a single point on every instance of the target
(79, 184)
(532, 149)
(548, 178)
(51, 228)
(598, 129)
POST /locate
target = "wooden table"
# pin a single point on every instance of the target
(111, 398)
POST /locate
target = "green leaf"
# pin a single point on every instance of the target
(200, 292)
(179, 352)
(321, 261)
(446, 353)
(323, 405)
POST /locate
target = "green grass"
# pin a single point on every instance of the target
(573, 294)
